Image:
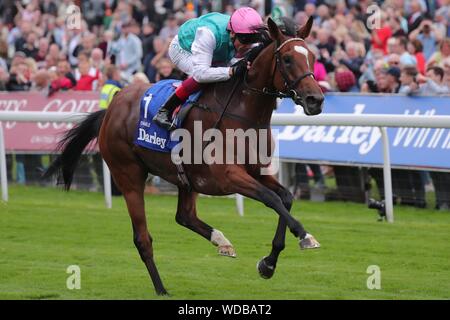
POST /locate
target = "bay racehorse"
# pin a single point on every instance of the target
(283, 68)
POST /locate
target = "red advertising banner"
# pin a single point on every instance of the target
(41, 136)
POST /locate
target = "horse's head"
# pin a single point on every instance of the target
(294, 63)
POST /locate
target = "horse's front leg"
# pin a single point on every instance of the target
(239, 181)
(187, 217)
(267, 265)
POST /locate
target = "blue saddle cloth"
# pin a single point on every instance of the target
(148, 134)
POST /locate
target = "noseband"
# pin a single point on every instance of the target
(289, 86)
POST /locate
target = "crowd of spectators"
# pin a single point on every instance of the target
(401, 47)
(404, 47)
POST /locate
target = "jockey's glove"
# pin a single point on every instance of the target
(239, 68)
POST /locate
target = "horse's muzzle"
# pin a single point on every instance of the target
(313, 104)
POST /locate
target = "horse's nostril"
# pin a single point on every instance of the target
(314, 100)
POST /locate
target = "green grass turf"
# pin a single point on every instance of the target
(44, 230)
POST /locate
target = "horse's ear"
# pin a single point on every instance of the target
(274, 31)
(304, 31)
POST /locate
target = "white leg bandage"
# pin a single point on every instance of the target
(218, 239)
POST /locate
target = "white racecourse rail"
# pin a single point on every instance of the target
(370, 120)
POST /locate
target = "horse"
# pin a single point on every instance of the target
(281, 69)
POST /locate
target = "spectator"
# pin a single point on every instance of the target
(323, 14)
(353, 58)
(57, 32)
(391, 80)
(147, 37)
(160, 51)
(442, 18)
(300, 18)
(41, 53)
(427, 36)
(310, 11)
(74, 43)
(345, 80)
(166, 70)
(3, 55)
(20, 77)
(49, 7)
(391, 46)
(408, 80)
(396, 27)
(401, 49)
(19, 38)
(41, 81)
(129, 52)
(415, 49)
(325, 41)
(106, 45)
(111, 87)
(85, 83)
(30, 13)
(381, 36)
(320, 72)
(29, 47)
(393, 60)
(438, 57)
(415, 18)
(86, 45)
(170, 30)
(54, 51)
(360, 35)
(372, 84)
(85, 57)
(94, 11)
(4, 77)
(97, 59)
(447, 72)
(433, 82)
(64, 80)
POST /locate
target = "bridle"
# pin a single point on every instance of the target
(289, 86)
(288, 92)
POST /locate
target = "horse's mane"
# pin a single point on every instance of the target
(288, 27)
(265, 41)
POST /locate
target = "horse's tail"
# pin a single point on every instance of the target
(72, 145)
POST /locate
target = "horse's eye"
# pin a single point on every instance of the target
(287, 60)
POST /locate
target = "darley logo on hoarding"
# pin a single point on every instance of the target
(339, 144)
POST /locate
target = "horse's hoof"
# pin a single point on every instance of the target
(265, 271)
(309, 242)
(163, 293)
(227, 251)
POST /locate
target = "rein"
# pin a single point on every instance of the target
(289, 85)
(230, 96)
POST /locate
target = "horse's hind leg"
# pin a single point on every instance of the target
(187, 217)
(131, 181)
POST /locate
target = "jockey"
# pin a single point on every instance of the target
(204, 43)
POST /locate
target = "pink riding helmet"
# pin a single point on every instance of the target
(245, 20)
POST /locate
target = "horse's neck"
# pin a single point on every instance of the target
(255, 108)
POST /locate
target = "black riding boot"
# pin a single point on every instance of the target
(163, 117)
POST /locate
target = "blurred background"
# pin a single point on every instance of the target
(53, 47)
